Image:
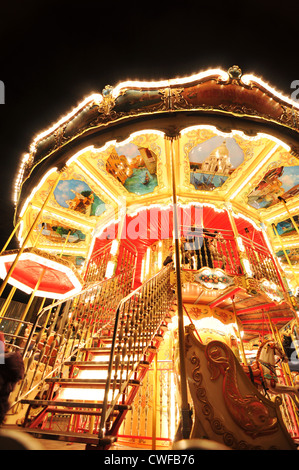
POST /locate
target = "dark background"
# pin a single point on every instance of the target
(55, 53)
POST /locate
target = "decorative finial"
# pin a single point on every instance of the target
(235, 72)
(107, 91)
(108, 100)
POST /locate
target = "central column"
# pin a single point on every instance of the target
(185, 409)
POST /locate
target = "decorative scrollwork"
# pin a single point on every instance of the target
(248, 411)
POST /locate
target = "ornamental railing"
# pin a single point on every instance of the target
(139, 323)
(212, 249)
(63, 328)
(261, 262)
(97, 265)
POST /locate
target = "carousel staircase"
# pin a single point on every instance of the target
(89, 400)
(77, 410)
(84, 415)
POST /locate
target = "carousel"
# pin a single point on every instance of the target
(157, 225)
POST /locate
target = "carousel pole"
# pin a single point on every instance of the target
(285, 253)
(291, 266)
(113, 259)
(239, 333)
(54, 300)
(65, 243)
(276, 336)
(12, 234)
(33, 293)
(284, 366)
(294, 336)
(30, 300)
(271, 325)
(7, 301)
(288, 211)
(13, 289)
(155, 394)
(38, 236)
(5, 281)
(185, 410)
(236, 237)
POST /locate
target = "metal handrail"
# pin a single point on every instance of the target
(137, 306)
(212, 251)
(262, 262)
(226, 256)
(101, 266)
(111, 290)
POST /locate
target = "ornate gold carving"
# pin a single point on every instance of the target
(239, 281)
(173, 99)
(214, 278)
(290, 117)
(248, 412)
(108, 102)
(234, 77)
(187, 276)
(216, 423)
(252, 285)
(295, 151)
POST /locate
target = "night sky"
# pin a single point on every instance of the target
(55, 53)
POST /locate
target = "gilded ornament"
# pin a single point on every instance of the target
(252, 285)
(108, 102)
(235, 72)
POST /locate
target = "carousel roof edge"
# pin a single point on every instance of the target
(212, 91)
(197, 91)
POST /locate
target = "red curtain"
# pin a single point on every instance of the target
(156, 223)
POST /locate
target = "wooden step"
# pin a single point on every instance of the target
(164, 328)
(96, 365)
(87, 383)
(108, 339)
(106, 351)
(71, 407)
(85, 438)
(100, 365)
(97, 350)
(72, 404)
(168, 319)
(158, 337)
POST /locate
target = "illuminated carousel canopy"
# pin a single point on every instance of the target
(44, 274)
(230, 143)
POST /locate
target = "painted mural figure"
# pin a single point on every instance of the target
(268, 189)
(119, 167)
(281, 181)
(134, 167)
(146, 179)
(76, 195)
(286, 227)
(58, 233)
(213, 161)
(81, 202)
